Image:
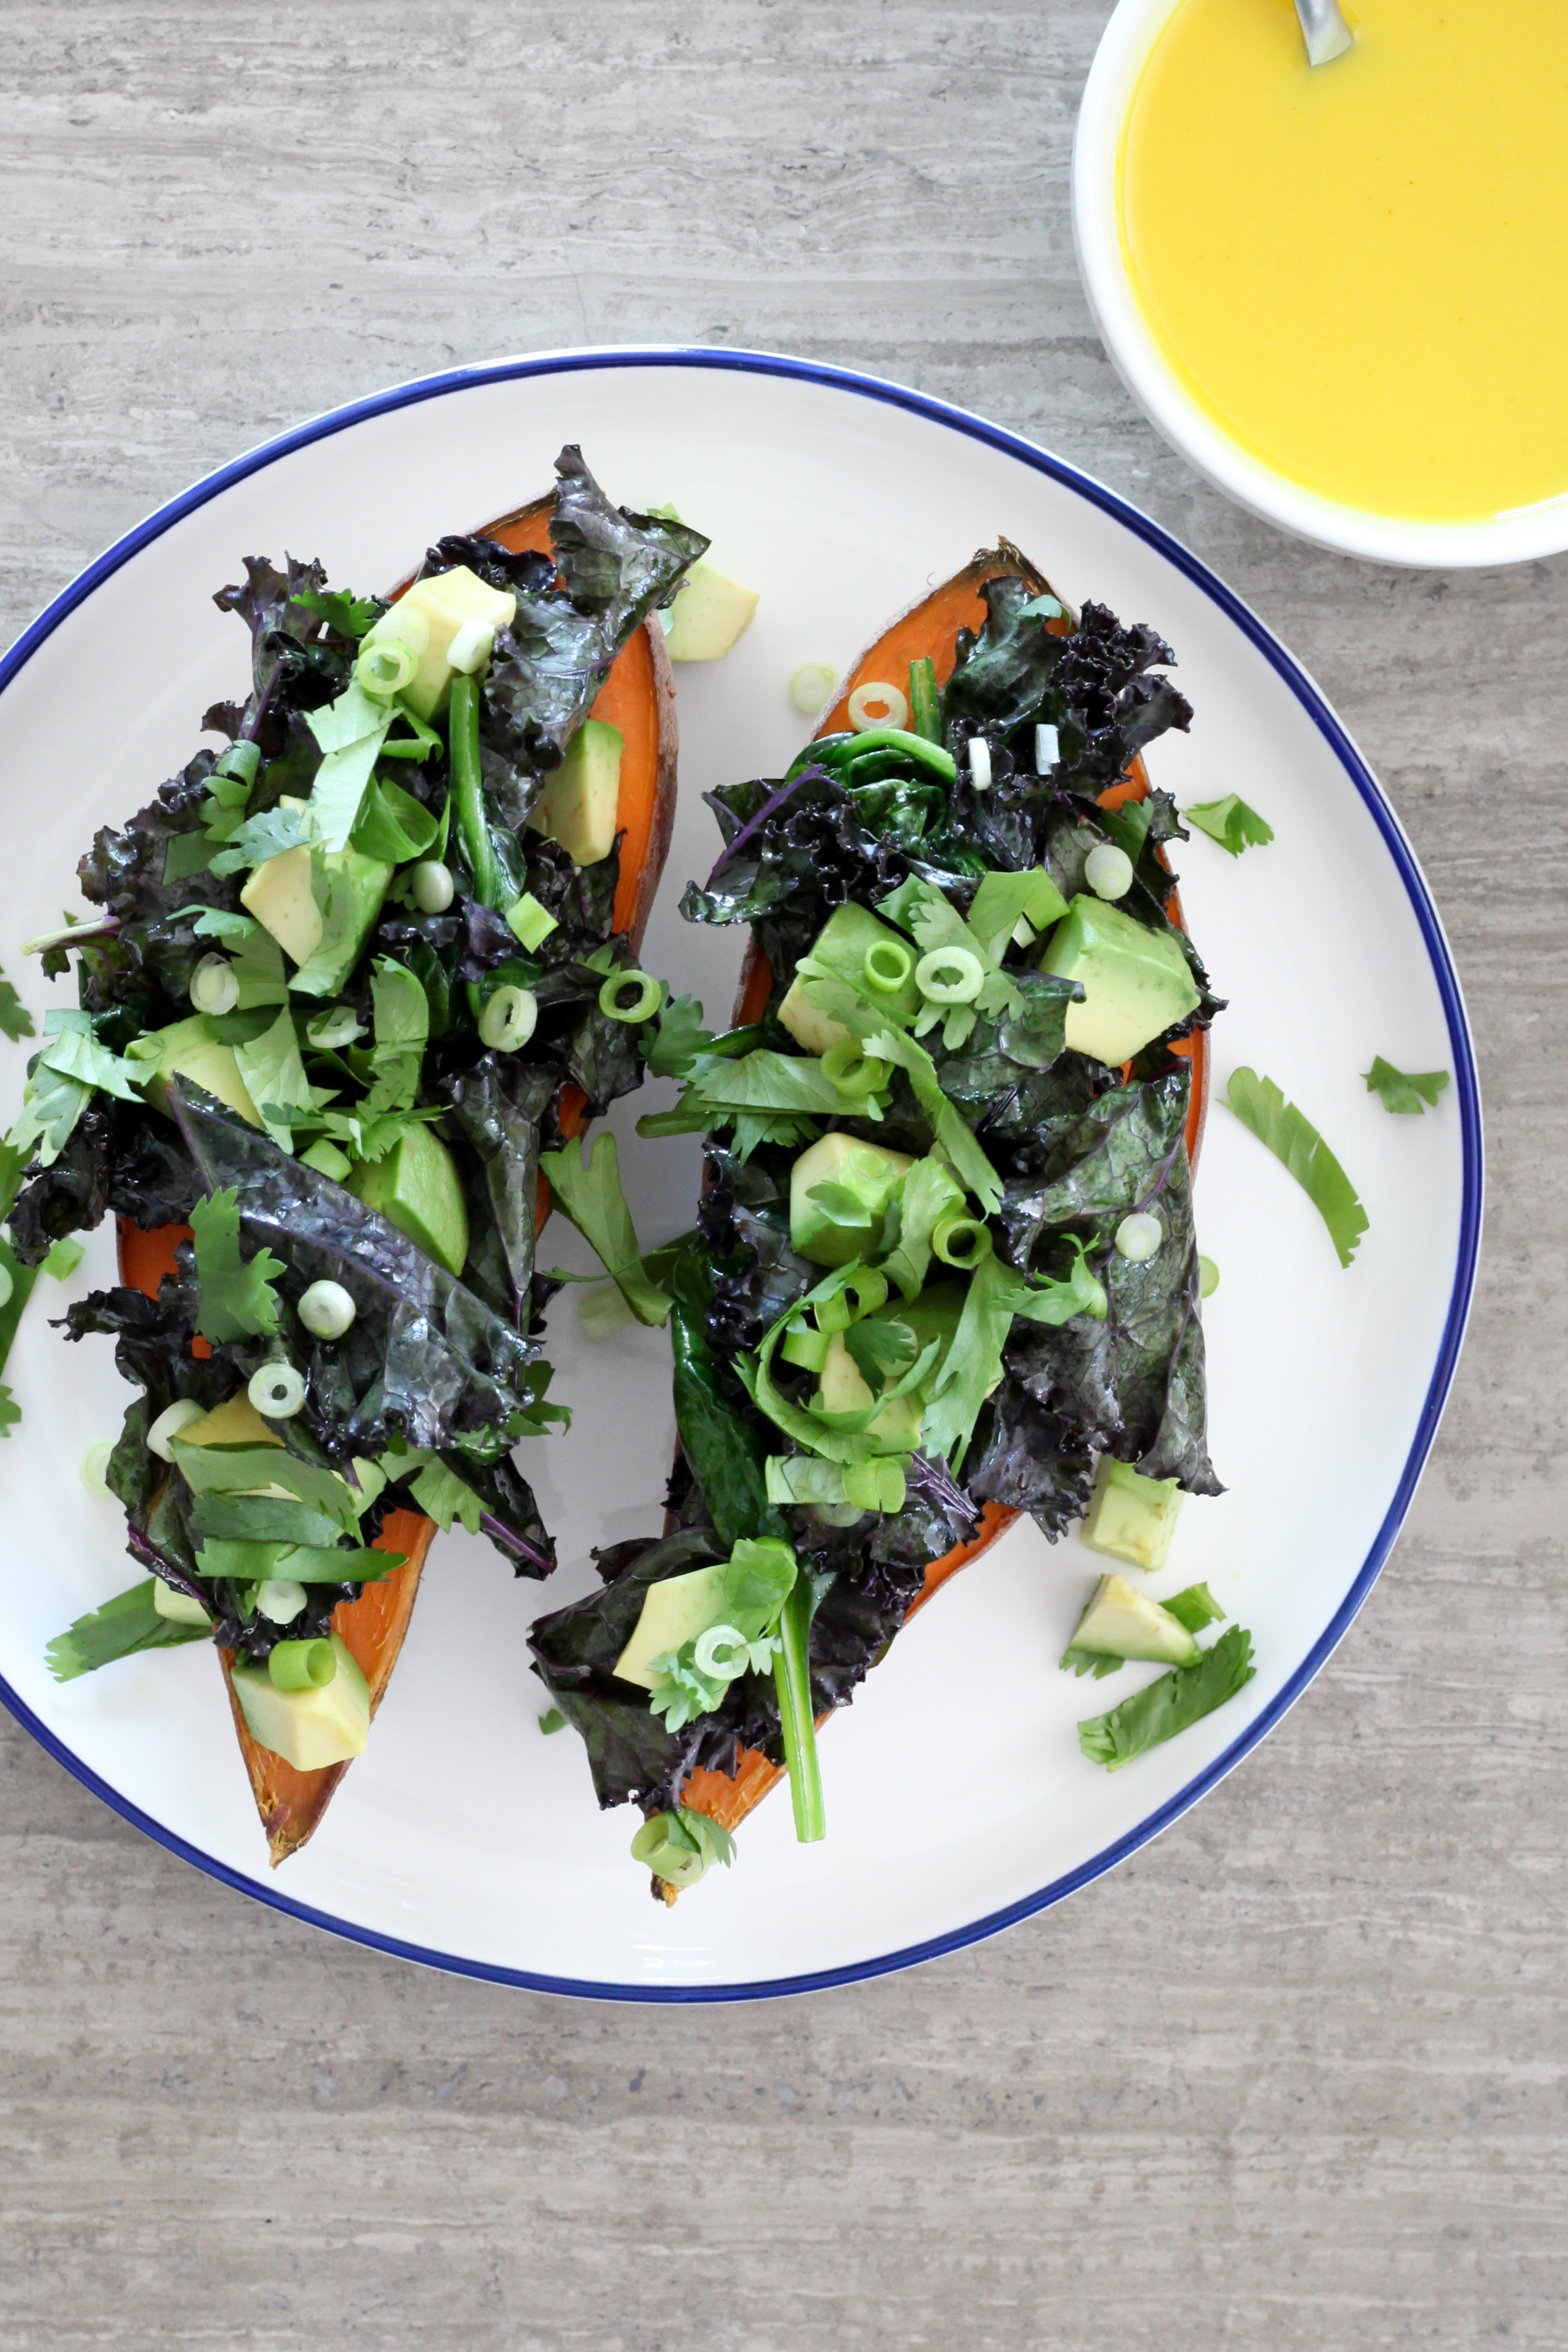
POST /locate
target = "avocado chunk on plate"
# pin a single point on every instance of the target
(1130, 1517)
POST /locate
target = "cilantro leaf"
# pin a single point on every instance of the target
(973, 1366)
(16, 1021)
(883, 1351)
(1402, 1090)
(10, 1411)
(238, 1297)
(1231, 823)
(1195, 1608)
(275, 1077)
(1293, 1139)
(588, 1192)
(678, 1038)
(352, 616)
(443, 1496)
(1005, 899)
(1172, 1703)
(122, 1626)
(51, 1105)
(263, 837)
(72, 1048)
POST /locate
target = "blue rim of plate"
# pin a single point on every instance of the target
(1467, 1090)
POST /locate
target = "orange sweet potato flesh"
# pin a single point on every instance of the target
(639, 697)
(929, 630)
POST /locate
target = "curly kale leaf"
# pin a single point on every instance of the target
(1132, 1385)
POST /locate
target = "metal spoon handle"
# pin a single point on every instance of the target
(1325, 30)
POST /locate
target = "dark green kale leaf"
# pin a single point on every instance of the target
(1133, 1384)
(425, 1361)
(633, 1757)
(497, 1107)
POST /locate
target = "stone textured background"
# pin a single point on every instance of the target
(1292, 2077)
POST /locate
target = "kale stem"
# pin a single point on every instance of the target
(792, 1679)
(467, 790)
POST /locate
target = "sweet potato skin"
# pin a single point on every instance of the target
(639, 697)
(929, 629)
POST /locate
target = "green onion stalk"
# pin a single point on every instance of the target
(792, 1679)
(468, 792)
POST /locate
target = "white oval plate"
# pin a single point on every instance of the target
(958, 1799)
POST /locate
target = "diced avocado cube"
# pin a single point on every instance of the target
(866, 1171)
(1136, 982)
(709, 613)
(675, 1612)
(188, 1049)
(179, 1608)
(1131, 1519)
(843, 1388)
(417, 1189)
(1122, 1623)
(327, 1160)
(840, 947)
(580, 804)
(427, 617)
(236, 1423)
(356, 886)
(280, 896)
(308, 1728)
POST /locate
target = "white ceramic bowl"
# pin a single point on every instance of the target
(1512, 537)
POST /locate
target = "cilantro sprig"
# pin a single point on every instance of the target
(1411, 1093)
(238, 1299)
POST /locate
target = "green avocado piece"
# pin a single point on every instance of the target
(308, 1728)
(356, 886)
(417, 1189)
(675, 1612)
(866, 1171)
(1136, 982)
(189, 1050)
(1122, 1623)
(1132, 1518)
(840, 947)
(580, 804)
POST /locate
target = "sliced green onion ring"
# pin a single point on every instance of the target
(508, 1018)
(887, 966)
(649, 996)
(276, 1391)
(95, 1466)
(339, 1025)
(1207, 1278)
(950, 976)
(665, 1846)
(302, 1666)
(892, 708)
(853, 1070)
(722, 1652)
(1139, 1236)
(214, 985)
(962, 1241)
(327, 1310)
(384, 668)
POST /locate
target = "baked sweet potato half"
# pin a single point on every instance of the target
(637, 698)
(839, 834)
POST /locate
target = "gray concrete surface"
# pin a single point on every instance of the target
(1291, 2078)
